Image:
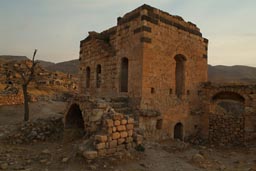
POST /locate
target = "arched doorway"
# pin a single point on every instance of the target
(74, 118)
(124, 75)
(180, 74)
(178, 131)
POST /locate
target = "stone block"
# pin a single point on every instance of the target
(100, 146)
(111, 151)
(102, 152)
(129, 126)
(114, 129)
(123, 121)
(121, 147)
(130, 133)
(101, 138)
(130, 121)
(115, 135)
(96, 114)
(120, 141)
(109, 122)
(121, 128)
(102, 105)
(113, 144)
(117, 123)
(90, 154)
(110, 130)
(129, 139)
(123, 134)
(117, 116)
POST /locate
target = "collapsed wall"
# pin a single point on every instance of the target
(109, 132)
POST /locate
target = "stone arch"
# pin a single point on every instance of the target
(98, 76)
(178, 131)
(228, 95)
(124, 75)
(74, 117)
(228, 103)
(88, 77)
(180, 74)
(226, 120)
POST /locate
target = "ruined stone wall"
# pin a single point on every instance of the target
(226, 130)
(164, 38)
(228, 127)
(11, 99)
(117, 136)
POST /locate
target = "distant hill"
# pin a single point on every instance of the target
(12, 58)
(45, 64)
(234, 74)
(219, 73)
(66, 67)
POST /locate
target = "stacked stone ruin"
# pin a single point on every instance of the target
(118, 136)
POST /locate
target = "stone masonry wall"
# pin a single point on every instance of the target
(150, 39)
(226, 130)
(11, 99)
(230, 128)
(165, 41)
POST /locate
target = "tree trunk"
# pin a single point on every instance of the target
(26, 107)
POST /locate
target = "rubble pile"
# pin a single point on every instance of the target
(38, 130)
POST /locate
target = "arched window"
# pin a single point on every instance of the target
(88, 76)
(98, 76)
(124, 75)
(180, 74)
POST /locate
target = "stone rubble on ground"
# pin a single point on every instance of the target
(38, 130)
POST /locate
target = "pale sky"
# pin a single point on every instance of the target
(55, 27)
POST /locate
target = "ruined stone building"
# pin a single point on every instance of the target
(153, 65)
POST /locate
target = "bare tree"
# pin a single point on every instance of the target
(26, 70)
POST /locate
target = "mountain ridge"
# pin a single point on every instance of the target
(217, 73)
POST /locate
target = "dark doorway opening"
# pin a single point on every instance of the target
(124, 75)
(74, 118)
(178, 131)
(74, 124)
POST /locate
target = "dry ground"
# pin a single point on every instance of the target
(62, 155)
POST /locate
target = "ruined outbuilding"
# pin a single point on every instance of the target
(153, 66)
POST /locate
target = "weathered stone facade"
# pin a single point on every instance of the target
(156, 59)
(158, 63)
